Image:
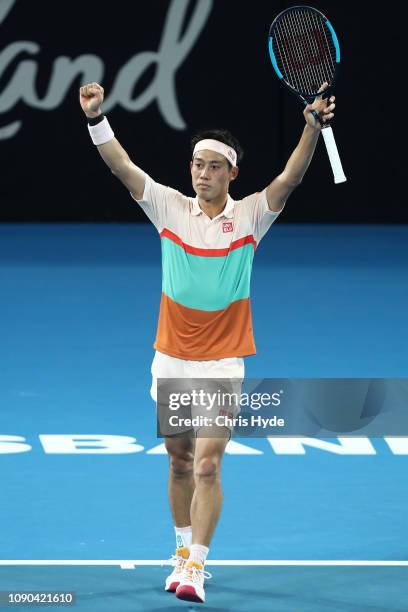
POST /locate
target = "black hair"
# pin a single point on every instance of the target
(223, 136)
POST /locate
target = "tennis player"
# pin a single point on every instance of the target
(205, 327)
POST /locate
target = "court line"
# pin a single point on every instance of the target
(133, 563)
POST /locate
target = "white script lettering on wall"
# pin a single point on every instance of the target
(173, 49)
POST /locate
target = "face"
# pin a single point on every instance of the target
(211, 175)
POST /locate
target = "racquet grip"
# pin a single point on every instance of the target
(339, 176)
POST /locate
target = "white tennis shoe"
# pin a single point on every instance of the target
(191, 586)
(179, 561)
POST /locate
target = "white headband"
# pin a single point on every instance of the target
(218, 147)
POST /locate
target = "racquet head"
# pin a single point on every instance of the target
(304, 50)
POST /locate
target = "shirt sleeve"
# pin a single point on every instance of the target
(261, 217)
(154, 202)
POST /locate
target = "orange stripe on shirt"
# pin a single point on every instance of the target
(201, 335)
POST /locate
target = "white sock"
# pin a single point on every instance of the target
(198, 553)
(184, 536)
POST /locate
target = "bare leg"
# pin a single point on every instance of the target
(181, 478)
(207, 499)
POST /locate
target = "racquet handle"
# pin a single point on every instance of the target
(339, 176)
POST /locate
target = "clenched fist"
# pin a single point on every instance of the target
(91, 98)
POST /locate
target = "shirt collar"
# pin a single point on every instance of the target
(228, 211)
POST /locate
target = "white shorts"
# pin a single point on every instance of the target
(231, 369)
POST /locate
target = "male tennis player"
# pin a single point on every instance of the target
(205, 327)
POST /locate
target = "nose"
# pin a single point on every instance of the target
(203, 173)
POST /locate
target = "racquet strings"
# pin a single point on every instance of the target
(304, 49)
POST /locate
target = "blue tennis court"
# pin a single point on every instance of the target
(315, 526)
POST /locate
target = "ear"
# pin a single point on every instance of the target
(234, 173)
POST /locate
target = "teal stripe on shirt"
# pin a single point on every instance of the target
(206, 283)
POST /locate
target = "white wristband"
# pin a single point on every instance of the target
(101, 132)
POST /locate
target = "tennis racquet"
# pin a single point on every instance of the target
(305, 53)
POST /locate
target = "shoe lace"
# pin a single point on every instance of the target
(175, 561)
(196, 575)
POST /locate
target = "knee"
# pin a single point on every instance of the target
(181, 462)
(207, 468)
(181, 466)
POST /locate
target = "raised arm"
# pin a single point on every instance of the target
(280, 189)
(113, 154)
